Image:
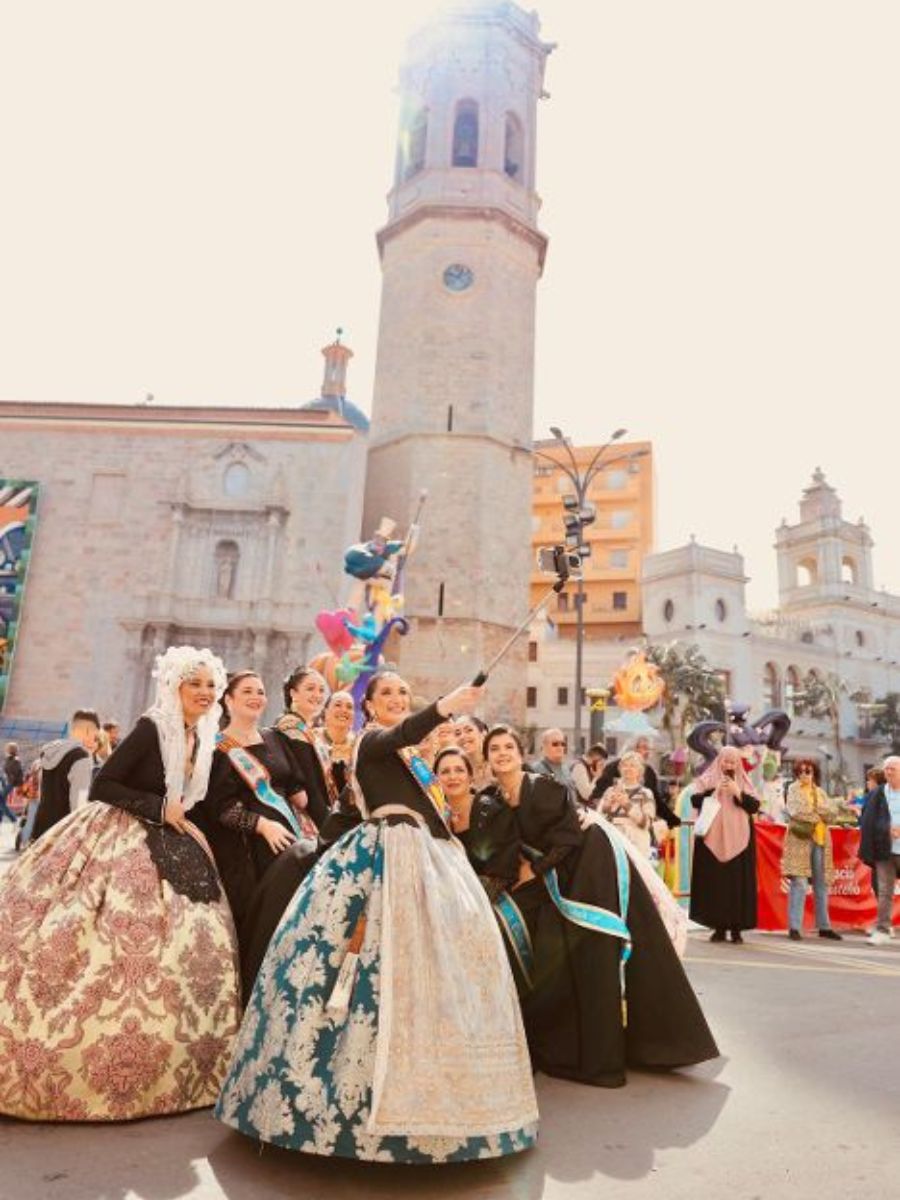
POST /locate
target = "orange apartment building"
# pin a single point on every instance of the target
(622, 494)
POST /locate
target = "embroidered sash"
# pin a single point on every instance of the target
(298, 730)
(257, 779)
(427, 781)
(513, 925)
(418, 769)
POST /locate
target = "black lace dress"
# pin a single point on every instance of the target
(257, 882)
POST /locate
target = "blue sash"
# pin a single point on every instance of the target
(256, 778)
(513, 925)
(601, 920)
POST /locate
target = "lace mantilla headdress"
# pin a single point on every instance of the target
(172, 669)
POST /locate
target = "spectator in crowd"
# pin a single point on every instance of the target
(552, 762)
(66, 769)
(723, 871)
(586, 768)
(610, 773)
(874, 780)
(113, 733)
(11, 775)
(31, 795)
(12, 766)
(807, 853)
(630, 805)
(879, 846)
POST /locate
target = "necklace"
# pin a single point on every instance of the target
(511, 793)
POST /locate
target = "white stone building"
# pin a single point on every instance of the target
(830, 618)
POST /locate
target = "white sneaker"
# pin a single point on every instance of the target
(878, 938)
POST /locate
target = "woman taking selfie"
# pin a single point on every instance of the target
(384, 1022)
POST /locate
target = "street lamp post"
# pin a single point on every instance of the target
(580, 515)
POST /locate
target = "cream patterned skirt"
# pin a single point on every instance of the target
(429, 1063)
(118, 995)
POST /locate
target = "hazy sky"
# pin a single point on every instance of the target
(190, 191)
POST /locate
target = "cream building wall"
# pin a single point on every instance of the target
(165, 525)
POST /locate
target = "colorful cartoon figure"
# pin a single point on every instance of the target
(371, 559)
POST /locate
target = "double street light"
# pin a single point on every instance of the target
(579, 513)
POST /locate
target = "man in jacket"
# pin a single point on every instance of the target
(11, 776)
(879, 845)
(66, 768)
(552, 762)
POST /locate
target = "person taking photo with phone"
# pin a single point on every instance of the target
(723, 875)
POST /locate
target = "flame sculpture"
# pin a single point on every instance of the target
(638, 684)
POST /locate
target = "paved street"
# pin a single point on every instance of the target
(805, 1098)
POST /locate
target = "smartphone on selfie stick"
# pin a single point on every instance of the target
(552, 560)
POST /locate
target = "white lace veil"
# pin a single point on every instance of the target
(172, 669)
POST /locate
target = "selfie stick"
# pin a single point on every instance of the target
(482, 675)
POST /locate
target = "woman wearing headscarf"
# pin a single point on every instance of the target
(118, 964)
(723, 874)
(383, 1023)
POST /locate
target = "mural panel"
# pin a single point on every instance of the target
(18, 516)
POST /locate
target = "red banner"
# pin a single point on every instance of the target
(851, 901)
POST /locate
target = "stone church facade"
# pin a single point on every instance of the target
(158, 526)
(227, 528)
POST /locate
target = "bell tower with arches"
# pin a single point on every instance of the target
(461, 256)
(823, 557)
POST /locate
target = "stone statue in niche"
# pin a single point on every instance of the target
(227, 555)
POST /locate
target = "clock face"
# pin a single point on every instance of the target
(458, 277)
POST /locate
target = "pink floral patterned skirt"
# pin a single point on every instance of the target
(118, 995)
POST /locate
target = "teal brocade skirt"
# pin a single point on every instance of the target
(441, 1058)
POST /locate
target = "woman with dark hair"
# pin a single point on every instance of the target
(337, 731)
(304, 693)
(723, 872)
(249, 816)
(807, 853)
(118, 964)
(453, 769)
(470, 731)
(384, 1022)
(600, 983)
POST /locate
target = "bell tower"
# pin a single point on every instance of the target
(461, 256)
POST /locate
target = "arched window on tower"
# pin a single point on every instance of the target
(849, 570)
(513, 148)
(807, 572)
(465, 134)
(415, 141)
(226, 559)
(791, 688)
(771, 697)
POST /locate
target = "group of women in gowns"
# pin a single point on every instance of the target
(285, 870)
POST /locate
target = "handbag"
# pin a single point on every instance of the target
(800, 829)
(708, 813)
